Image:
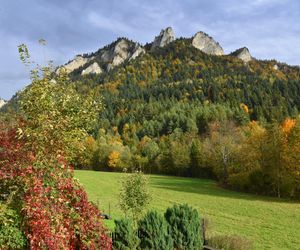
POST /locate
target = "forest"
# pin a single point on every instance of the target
(179, 111)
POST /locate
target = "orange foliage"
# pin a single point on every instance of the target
(244, 107)
(287, 125)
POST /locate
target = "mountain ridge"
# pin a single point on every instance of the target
(124, 49)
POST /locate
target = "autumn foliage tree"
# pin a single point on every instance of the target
(35, 170)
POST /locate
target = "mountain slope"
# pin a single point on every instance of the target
(181, 79)
(170, 82)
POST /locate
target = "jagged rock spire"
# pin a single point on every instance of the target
(207, 44)
(165, 36)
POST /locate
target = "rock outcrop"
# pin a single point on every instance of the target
(2, 103)
(207, 44)
(120, 51)
(243, 54)
(92, 69)
(165, 36)
(111, 56)
(138, 50)
(76, 63)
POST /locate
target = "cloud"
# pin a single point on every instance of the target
(105, 23)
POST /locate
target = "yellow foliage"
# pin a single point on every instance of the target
(90, 141)
(113, 159)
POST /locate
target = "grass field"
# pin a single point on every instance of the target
(269, 223)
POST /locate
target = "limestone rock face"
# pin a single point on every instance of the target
(243, 54)
(92, 69)
(76, 63)
(137, 51)
(2, 103)
(165, 36)
(121, 51)
(207, 44)
(117, 54)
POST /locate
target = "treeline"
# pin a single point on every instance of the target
(252, 158)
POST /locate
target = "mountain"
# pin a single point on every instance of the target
(167, 84)
(172, 105)
(123, 50)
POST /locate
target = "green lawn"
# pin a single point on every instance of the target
(269, 223)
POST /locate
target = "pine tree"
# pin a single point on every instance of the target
(154, 232)
(125, 237)
(185, 227)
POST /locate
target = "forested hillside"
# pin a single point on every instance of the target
(175, 109)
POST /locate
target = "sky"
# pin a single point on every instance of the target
(269, 28)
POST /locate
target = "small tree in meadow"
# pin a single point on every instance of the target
(154, 232)
(185, 227)
(134, 195)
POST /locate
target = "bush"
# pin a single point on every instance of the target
(154, 232)
(11, 237)
(125, 237)
(229, 242)
(185, 227)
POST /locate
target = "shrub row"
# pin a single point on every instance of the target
(179, 228)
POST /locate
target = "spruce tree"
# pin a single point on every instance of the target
(125, 236)
(154, 232)
(185, 227)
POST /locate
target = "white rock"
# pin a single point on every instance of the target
(76, 63)
(207, 44)
(138, 51)
(92, 69)
(165, 36)
(275, 67)
(2, 103)
(118, 54)
(243, 54)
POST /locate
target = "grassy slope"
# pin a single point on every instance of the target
(268, 222)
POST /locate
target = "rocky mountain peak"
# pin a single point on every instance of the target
(122, 50)
(112, 55)
(165, 36)
(207, 44)
(243, 54)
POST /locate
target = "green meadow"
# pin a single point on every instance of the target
(268, 222)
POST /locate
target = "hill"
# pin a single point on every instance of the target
(183, 107)
(269, 223)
